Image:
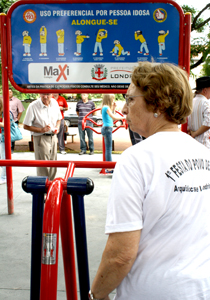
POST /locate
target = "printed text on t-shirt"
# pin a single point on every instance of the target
(181, 167)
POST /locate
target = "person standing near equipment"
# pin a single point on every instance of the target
(83, 107)
(199, 120)
(16, 107)
(43, 118)
(158, 210)
(107, 111)
(63, 107)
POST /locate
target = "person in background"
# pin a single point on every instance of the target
(158, 210)
(16, 107)
(107, 111)
(65, 133)
(63, 107)
(2, 141)
(199, 120)
(83, 107)
(135, 137)
(43, 118)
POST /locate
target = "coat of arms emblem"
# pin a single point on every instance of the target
(99, 72)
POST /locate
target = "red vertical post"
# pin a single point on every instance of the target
(5, 89)
(67, 239)
(186, 51)
(187, 44)
(50, 241)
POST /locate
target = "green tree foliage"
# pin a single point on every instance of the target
(200, 46)
(5, 5)
(206, 67)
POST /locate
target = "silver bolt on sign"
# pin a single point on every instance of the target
(49, 248)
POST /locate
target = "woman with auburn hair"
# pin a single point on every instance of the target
(107, 111)
(158, 222)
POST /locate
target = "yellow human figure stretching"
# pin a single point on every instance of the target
(27, 43)
(43, 41)
(118, 49)
(60, 35)
(161, 40)
(139, 36)
(79, 40)
(102, 34)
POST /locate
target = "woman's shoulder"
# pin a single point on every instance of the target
(105, 107)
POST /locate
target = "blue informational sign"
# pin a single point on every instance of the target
(94, 45)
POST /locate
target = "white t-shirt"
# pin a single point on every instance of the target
(162, 186)
(40, 115)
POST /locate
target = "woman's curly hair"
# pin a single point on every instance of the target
(165, 88)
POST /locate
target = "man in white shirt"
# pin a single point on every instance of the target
(43, 118)
(199, 120)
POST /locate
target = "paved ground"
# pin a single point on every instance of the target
(15, 232)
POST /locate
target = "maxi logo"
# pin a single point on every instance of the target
(62, 72)
(56, 72)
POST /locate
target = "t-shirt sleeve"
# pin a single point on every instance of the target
(20, 106)
(77, 107)
(125, 205)
(65, 104)
(29, 117)
(93, 106)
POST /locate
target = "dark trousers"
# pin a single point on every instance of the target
(82, 138)
(60, 136)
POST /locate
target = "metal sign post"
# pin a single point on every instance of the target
(5, 90)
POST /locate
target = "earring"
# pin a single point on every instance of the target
(155, 115)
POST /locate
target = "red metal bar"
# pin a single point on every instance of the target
(186, 51)
(58, 164)
(187, 48)
(51, 221)
(125, 125)
(5, 89)
(67, 240)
